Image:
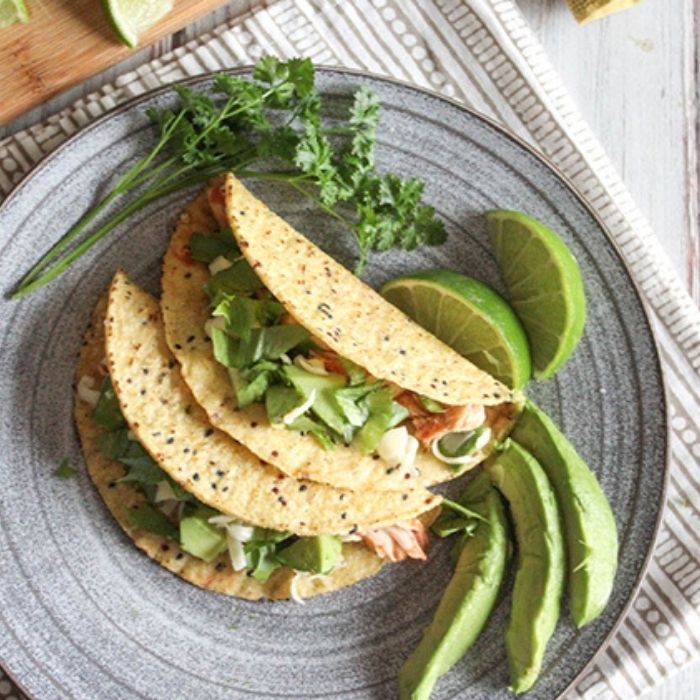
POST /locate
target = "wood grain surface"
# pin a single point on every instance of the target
(65, 42)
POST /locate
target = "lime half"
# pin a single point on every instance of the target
(544, 286)
(130, 18)
(469, 317)
(12, 11)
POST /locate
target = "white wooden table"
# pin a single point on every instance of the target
(635, 78)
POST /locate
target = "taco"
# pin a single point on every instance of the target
(201, 504)
(130, 499)
(310, 368)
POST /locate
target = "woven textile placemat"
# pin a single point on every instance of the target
(483, 53)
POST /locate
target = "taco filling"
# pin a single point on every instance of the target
(205, 533)
(305, 386)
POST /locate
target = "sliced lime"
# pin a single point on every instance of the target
(544, 286)
(12, 11)
(130, 18)
(469, 317)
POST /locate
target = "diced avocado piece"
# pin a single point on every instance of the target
(589, 524)
(324, 406)
(384, 413)
(539, 579)
(199, 537)
(315, 554)
(469, 598)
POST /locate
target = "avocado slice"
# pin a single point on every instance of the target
(589, 524)
(469, 597)
(539, 579)
(200, 538)
(315, 554)
(324, 385)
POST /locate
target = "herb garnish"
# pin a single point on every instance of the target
(64, 470)
(274, 122)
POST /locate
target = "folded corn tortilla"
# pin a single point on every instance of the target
(357, 561)
(349, 316)
(221, 473)
(186, 308)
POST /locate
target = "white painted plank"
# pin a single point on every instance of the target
(633, 76)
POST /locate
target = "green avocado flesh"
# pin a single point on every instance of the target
(199, 538)
(468, 599)
(317, 555)
(539, 579)
(591, 535)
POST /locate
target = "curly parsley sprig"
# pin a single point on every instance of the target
(273, 127)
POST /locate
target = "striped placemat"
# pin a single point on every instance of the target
(483, 53)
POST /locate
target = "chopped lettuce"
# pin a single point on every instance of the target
(324, 406)
(356, 375)
(384, 414)
(243, 314)
(238, 278)
(349, 400)
(260, 552)
(262, 344)
(325, 436)
(280, 400)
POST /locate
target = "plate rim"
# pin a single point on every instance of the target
(504, 131)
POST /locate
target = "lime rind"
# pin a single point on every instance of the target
(130, 18)
(12, 12)
(544, 285)
(468, 316)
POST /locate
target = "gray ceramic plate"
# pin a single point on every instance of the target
(83, 614)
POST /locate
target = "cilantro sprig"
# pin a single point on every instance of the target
(272, 126)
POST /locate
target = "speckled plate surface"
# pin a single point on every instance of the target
(83, 614)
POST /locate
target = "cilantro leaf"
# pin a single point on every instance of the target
(206, 248)
(146, 517)
(64, 470)
(107, 413)
(276, 120)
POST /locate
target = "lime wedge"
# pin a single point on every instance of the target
(469, 317)
(130, 18)
(544, 286)
(12, 11)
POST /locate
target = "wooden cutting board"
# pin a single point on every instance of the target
(66, 42)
